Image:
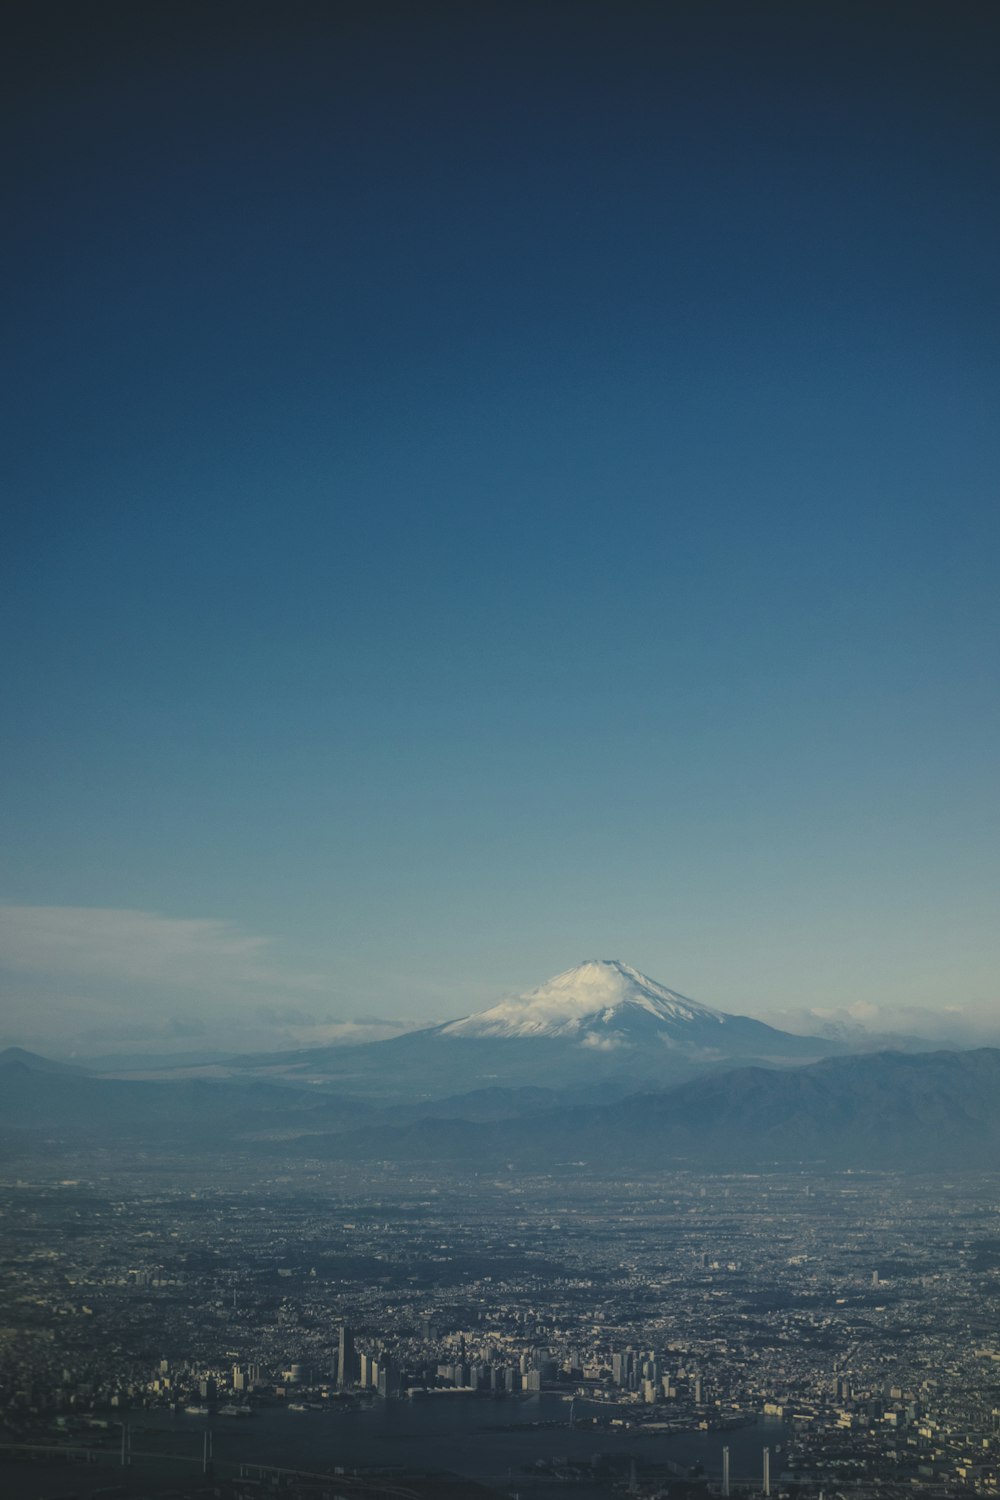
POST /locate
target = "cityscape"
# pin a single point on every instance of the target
(758, 1333)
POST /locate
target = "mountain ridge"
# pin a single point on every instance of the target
(880, 1111)
(877, 1110)
(34, 1062)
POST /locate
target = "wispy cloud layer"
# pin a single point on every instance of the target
(94, 977)
(139, 947)
(963, 1025)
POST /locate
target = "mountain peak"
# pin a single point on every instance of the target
(601, 993)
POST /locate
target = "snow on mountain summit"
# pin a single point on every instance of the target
(598, 1003)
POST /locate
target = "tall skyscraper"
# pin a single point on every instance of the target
(387, 1378)
(767, 1471)
(346, 1359)
(725, 1469)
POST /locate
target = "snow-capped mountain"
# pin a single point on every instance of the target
(606, 1005)
(601, 1023)
(595, 1002)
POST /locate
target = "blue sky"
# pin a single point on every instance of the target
(491, 486)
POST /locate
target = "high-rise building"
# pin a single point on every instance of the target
(767, 1471)
(347, 1372)
(388, 1381)
(725, 1469)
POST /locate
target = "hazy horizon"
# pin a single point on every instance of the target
(238, 1020)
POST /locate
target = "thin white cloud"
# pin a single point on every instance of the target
(75, 976)
(82, 980)
(140, 948)
(962, 1025)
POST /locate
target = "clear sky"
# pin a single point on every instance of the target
(492, 485)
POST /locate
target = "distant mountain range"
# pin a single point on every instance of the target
(880, 1110)
(600, 1064)
(883, 1110)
